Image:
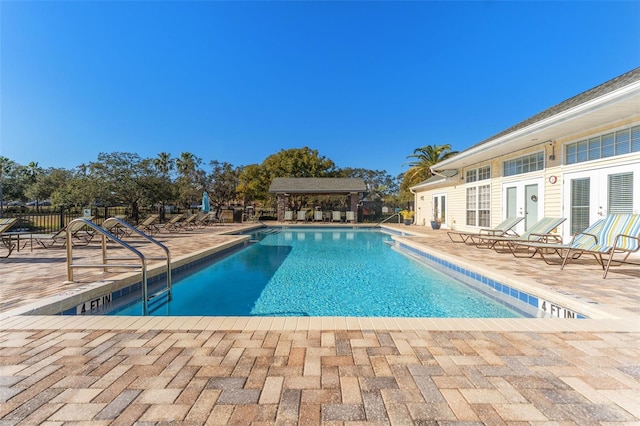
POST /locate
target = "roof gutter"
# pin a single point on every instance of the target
(435, 172)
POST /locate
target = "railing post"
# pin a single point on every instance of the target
(61, 217)
(145, 292)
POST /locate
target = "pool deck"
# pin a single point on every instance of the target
(240, 370)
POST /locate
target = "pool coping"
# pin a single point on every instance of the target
(607, 318)
(586, 307)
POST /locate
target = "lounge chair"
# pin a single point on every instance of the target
(189, 223)
(336, 216)
(288, 216)
(351, 217)
(545, 249)
(214, 218)
(504, 228)
(539, 231)
(620, 233)
(5, 224)
(149, 225)
(201, 220)
(317, 216)
(302, 215)
(174, 224)
(116, 228)
(79, 236)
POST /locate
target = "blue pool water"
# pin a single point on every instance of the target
(322, 272)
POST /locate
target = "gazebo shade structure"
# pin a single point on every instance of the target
(353, 188)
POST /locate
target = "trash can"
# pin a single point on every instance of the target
(227, 216)
(237, 216)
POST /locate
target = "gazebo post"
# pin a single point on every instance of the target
(353, 204)
(283, 202)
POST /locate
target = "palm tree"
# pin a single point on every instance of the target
(425, 157)
(32, 171)
(190, 179)
(163, 163)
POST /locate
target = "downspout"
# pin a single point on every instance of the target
(415, 204)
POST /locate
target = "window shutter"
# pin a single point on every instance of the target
(580, 204)
(620, 193)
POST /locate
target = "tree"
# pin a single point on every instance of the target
(166, 189)
(124, 178)
(13, 180)
(33, 173)
(294, 162)
(191, 178)
(6, 168)
(376, 180)
(250, 183)
(164, 163)
(53, 185)
(297, 162)
(425, 157)
(223, 182)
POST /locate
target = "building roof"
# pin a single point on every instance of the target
(611, 101)
(317, 185)
(441, 176)
(607, 87)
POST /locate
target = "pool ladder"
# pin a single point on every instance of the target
(387, 219)
(115, 222)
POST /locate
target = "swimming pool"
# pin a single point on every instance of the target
(321, 272)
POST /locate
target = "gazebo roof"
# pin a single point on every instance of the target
(317, 185)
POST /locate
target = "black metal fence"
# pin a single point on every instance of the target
(53, 219)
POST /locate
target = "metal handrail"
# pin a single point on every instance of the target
(106, 234)
(149, 238)
(383, 221)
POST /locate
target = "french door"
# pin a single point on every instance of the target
(439, 207)
(591, 195)
(524, 199)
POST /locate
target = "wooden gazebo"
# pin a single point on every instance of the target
(352, 188)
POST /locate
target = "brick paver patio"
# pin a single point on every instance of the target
(334, 371)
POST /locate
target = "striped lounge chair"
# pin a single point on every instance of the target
(619, 233)
(545, 248)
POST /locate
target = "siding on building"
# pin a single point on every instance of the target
(553, 194)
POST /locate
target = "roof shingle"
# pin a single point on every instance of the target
(317, 185)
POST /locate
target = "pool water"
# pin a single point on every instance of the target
(322, 272)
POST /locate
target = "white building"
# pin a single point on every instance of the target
(579, 160)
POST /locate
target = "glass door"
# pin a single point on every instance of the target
(523, 199)
(439, 208)
(591, 195)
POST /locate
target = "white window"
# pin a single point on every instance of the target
(614, 143)
(525, 164)
(479, 205)
(478, 197)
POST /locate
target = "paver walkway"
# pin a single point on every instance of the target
(105, 370)
(313, 377)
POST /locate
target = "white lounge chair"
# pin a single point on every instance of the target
(288, 216)
(351, 217)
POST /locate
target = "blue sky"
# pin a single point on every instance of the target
(364, 83)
